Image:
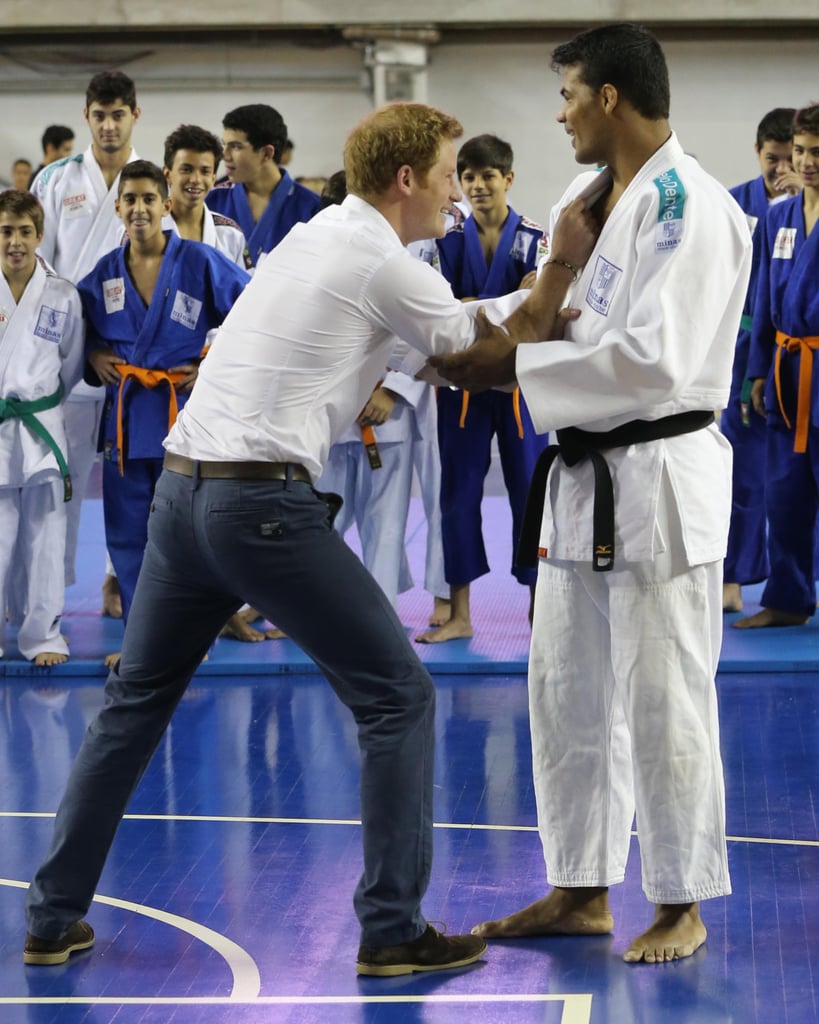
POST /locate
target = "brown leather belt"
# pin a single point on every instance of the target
(235, 470)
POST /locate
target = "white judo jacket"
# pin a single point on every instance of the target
(41, 348)
(660, 298)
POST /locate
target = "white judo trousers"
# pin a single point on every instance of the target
(32, 538)
(623, 712)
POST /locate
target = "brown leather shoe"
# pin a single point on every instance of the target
(431, 951)
(49, 952)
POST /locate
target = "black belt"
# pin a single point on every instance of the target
(235, 470)
(573, 446)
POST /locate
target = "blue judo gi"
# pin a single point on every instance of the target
(289, 204)
(785, 332)
(747, 558)
(194, 293)
(465, 440)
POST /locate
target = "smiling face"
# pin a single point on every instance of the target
(806, 159)
(431, 200)
(141, 207)
(583, 117)
(486, 188)
(19, 239)
(111, 125)
(190, 179)
(774, 159)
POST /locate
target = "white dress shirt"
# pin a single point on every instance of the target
(307, 341)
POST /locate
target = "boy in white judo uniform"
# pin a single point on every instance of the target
(629, 527)
(191, 157)
(41, 357)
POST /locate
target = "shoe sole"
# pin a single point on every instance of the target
(392, 970)
(53, 959)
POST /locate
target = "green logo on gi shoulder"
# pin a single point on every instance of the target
(671, 209)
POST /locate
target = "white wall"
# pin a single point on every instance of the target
(720, 90)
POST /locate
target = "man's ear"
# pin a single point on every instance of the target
(405, 178)
(609, 97)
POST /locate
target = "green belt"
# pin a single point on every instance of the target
(17, 409)
(746, 322)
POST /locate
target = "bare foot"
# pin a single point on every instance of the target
(677, 932)
(275, 634)
(453, 629)
(112, 660)
(50, 658)
(441, 611)
(111, 598)
(562, 912)
(771, 617)
(249, 614)
(238, 628)
(731, 597)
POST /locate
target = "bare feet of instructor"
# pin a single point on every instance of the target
(562, 912)
(676, 932)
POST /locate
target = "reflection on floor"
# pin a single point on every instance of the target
(228, 894)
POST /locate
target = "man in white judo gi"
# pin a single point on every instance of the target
(628, 611)
(78, 196)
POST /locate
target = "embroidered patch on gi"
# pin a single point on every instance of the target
(113, 294)
(784, 243)
(669, 231)
(51, 324)
(76, 206)
(186, 310)
(521, 245)
(603, 285)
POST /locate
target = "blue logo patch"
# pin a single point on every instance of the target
(603, 286)
(50, 324)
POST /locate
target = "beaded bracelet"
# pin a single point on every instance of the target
(569, 266)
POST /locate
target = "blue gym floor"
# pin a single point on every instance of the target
(228, 894)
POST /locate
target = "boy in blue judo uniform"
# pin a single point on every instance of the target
(493, 252)
(747, 558)
(260, 195)
(785, 389)
(149, 306)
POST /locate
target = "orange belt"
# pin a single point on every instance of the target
(148, 379)
(805, 347)
(371, 446)
(515, 406)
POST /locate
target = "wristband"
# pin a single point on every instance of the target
(569, 266)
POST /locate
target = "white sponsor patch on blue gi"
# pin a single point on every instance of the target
(603, 285)
(113, 294)
(50, 324)
(521, 245)
(186, 310)
(669, 231)
(784, 244)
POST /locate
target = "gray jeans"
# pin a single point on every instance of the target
(212, 545)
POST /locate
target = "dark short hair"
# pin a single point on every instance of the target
(485, 151)
(108, 87)
(806, 120)
(775, 126)
(22, 204)
(143, 169)
(55, 135)
(262, 124)
(626, 56)
(191, 136)
(335, 189)
(21, 160)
